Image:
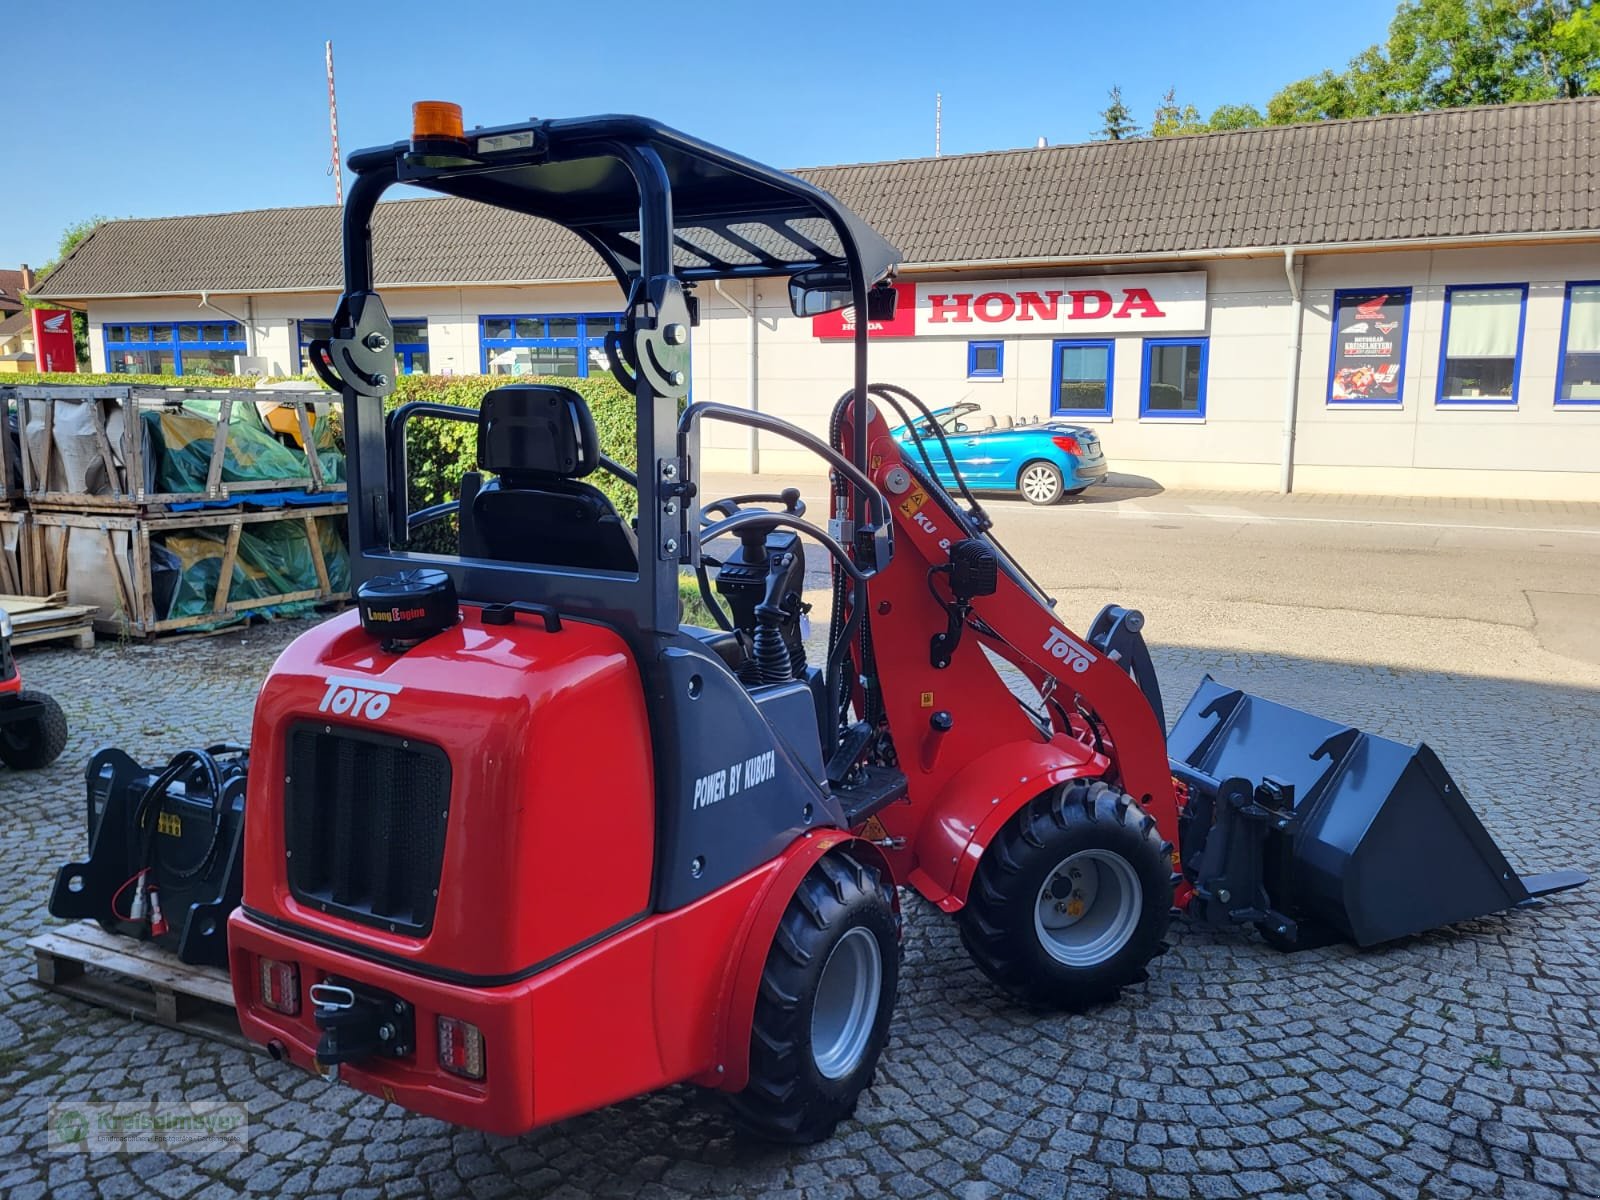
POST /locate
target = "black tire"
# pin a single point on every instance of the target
(1125, 859)
(28, 745)
(791, 1097)
(1051, 487)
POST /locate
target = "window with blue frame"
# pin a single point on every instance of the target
(410, 344)
(1080, 377)
(986, 360)
(1481, 350)
(566, 345)
(1173, 380)
(173, 348)
(1578, 371)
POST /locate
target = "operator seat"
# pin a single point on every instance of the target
(539, 441)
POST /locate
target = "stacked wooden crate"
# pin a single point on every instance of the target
(91, 537)
(17, 568)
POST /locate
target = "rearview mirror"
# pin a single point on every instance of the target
(824, 289)
(819, 290)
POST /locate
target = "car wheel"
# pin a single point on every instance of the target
(1040, 483)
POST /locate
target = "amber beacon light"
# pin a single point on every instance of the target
(436, 121)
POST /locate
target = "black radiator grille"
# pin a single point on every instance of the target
(366, 817)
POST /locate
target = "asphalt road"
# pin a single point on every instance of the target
(1499, 589)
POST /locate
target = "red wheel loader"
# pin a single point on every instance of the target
(519, 843)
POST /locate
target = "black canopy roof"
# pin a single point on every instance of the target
(732, 216)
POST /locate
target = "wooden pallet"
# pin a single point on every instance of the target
(46, 618)
(139, 979)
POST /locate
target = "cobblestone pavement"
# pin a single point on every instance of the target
(1457, 1064)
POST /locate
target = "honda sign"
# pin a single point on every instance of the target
(54, 347)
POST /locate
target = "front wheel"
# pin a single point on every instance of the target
(37, 741)
(1040, 483)
(1071, 900)
(822, 1015)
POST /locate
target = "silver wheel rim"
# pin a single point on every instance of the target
(1039, 484)
(847, 1003)
(1088, 908)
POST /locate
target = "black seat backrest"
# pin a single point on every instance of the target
(539, 440)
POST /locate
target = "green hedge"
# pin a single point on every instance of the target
(441, 452)
(83, 379)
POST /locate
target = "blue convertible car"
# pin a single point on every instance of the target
(1044, 460)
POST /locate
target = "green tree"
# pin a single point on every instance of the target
(1117, 123)
(1235, 116)
(71, 237)
(1448, 53)
(1173, 119)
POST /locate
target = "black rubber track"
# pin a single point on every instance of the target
(787, 1098)
(997, 923)
(26, 745)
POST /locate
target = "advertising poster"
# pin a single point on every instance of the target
(1369, 345)
(52, 340)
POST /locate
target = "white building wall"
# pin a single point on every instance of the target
(1536, 450)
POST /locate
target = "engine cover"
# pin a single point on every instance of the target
(446, 807)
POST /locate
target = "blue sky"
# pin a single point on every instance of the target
(124, 114)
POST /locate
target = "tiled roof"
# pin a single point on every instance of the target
(16, 323)
(10, 290)
(1471, 172)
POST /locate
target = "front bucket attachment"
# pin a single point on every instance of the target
(1308, 827)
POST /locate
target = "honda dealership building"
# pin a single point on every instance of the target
(1406, 304)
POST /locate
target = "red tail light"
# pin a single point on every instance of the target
(1069, 444)
(460, 1048)
(280, 987)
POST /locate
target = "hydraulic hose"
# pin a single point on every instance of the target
(147, 813)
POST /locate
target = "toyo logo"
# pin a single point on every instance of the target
(357, 697)
(1068, 651)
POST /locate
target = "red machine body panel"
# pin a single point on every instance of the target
(965, 783)
(544, 943)
(547, 738)
(663, 1001)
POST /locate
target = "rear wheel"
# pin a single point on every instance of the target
(1071, 900)
(822, 1015)
(38, 741)
(1040, 483)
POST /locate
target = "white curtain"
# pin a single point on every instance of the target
(1483, 323)
(1583, 321)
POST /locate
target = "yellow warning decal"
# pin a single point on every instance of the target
(877, 461)
(913, 502)
(170, 824)
(927, 699)
(873, 830)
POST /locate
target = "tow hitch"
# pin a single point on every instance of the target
(359, 1023)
